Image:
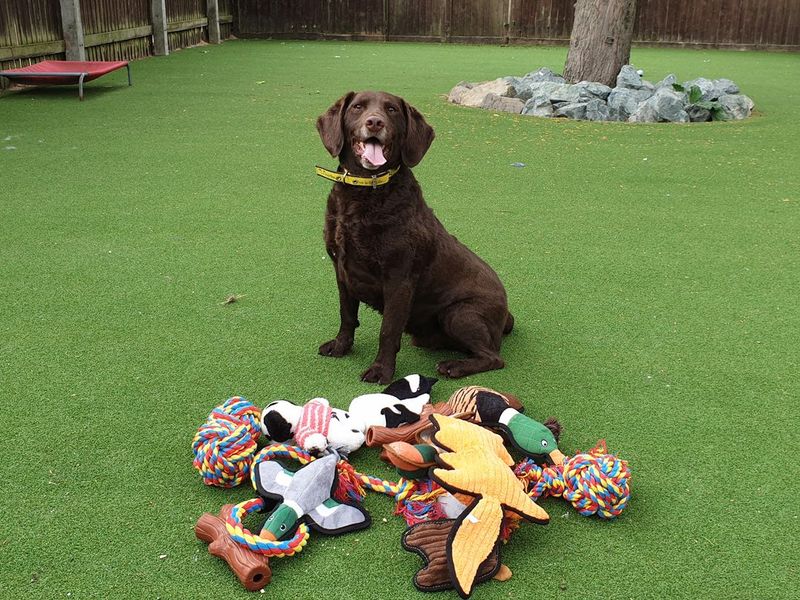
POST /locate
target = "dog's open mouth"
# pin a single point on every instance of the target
(370, 151)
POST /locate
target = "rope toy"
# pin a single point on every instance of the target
(225, 444)
(258, 544)
(594, 482)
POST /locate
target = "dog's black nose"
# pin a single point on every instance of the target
(374, 123)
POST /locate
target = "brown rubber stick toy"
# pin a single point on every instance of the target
(250, 567)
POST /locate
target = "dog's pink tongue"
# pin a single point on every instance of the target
(374, 153)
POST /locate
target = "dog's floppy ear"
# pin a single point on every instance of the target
(419, 136)
(331, 125)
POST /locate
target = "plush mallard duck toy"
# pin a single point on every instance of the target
(535, 440)
(305, 495)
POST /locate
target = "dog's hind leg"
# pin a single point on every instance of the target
(478, 334)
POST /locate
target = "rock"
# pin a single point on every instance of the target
(522, 89)
(629, 78)
(623, 102)
(500, 87)
(543, 93)
(457, 93)
(645, 113)
(667, 82)
(698, 114)
(570, 94)
(538, 106)
(592, 88)
(736, 106)
(665, 105)
(539, 88)
(706, 88)
(573, 110)
(724, 86)
(543, 74)
(597, 110)
(502, 104)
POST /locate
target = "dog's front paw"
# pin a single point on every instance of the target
(336, 348)
(378, 373)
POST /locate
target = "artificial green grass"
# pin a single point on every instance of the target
(652, 270)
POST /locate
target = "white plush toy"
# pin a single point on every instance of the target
(315, 427)
(400, 403)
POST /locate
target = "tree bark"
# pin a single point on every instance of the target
(601, 40)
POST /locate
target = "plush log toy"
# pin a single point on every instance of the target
(462, 404)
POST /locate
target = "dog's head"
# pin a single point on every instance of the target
(374, 131)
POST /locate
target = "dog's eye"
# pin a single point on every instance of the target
(357, 107)
(391, 109)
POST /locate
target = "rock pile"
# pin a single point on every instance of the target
(543, 93)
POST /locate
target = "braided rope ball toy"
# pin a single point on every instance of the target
(594, 482)
(225, 444)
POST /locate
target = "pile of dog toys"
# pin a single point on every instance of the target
(459, 489)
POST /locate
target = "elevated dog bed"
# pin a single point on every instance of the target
(64, 72)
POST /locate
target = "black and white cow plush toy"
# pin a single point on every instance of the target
(400, 403)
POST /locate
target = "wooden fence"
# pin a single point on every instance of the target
(33, 30)
(747, 24)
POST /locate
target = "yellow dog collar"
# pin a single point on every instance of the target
(346, 178)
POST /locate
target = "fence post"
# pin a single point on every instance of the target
(448, 13)
(159, 17)
(385, 20)
(72, 26)
(212, 10)
(508, 24)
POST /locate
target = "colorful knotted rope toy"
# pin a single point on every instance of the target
(225, 444)
(594, 482)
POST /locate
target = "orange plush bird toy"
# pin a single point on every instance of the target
(473, 464)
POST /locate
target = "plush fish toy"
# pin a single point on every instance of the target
(305, 495)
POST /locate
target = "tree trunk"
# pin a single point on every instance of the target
(601, 40)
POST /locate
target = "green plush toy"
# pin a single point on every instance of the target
(535, 440)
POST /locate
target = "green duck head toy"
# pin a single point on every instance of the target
(535, 440)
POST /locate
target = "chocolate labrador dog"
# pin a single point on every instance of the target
(390, 251)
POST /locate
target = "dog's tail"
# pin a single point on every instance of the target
(509, 324)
